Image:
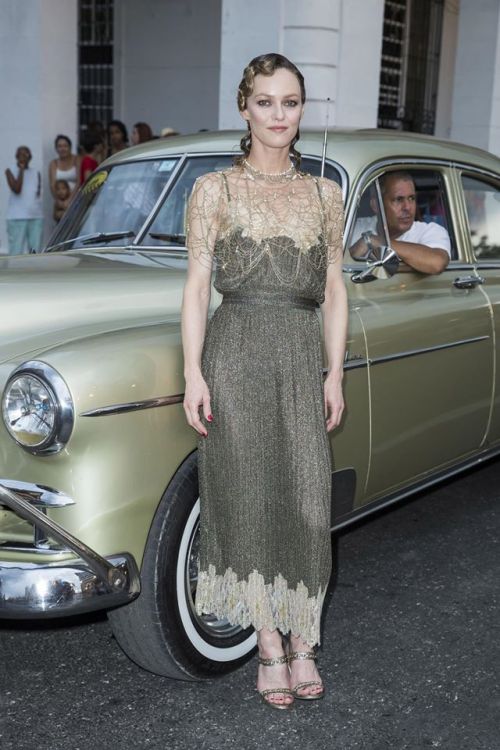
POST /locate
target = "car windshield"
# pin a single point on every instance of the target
(131, 189)
(136, 203)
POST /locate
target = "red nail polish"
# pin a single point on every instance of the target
(210, 418)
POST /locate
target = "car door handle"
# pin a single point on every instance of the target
(468, 282)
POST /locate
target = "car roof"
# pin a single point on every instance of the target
(352, 148)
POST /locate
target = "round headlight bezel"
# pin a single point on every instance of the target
(60, 394)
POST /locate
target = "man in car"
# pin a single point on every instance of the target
(421, 245)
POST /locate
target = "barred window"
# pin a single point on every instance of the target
(95, 62)
(411, 46)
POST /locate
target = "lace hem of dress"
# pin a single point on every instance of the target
(253, 602)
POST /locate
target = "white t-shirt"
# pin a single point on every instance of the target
(28, 203)
(420, 232)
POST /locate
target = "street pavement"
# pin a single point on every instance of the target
(410, 656)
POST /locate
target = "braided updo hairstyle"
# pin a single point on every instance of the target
(266, 65)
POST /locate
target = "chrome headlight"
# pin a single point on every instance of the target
(37, 408)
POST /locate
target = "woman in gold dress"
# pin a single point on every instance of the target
(254, 369)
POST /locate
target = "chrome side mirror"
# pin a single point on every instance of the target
(379, 269)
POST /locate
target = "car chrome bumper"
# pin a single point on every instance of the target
(50, 589)
(32, 590)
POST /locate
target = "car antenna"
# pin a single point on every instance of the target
(325, 137)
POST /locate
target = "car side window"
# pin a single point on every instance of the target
(482, 201)
(423, 212)
(313, 166)
(169, 224)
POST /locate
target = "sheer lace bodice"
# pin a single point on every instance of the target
(266, 235)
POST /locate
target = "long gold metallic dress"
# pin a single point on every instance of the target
(265, 467)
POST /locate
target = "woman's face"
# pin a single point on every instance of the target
(274, 108)
(135, 137)
(63, 148)
(115, 136)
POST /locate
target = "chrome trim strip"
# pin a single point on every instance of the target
(353, 364)
(493, 366)
(425, 350)
(457, 265)
(453, 265)
(42, 590)
(37, 494)
(370, 402)
(363, 511)
(111, 577)
(150, 403)
(50, 548)
(464, 167)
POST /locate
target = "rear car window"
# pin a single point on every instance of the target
(482, 201)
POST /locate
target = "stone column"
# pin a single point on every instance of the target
(246, 31)
(311, 38)
(306, 32)
(359, 61)
(476, 84)
(335, 43)
(38, 86)
(447, 58)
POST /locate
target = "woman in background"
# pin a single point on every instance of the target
(65, 166)
(93, 149)
(141, 133)
(117, 137)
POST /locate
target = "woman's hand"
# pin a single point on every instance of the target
(334, 401)
(196, 395)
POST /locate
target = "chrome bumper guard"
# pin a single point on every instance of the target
(88, 583)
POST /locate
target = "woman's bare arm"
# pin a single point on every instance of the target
(202, 225)
(334, 311)
(52, 176)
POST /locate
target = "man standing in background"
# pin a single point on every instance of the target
(24, 210)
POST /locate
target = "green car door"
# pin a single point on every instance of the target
(480, 192)
(430, 350)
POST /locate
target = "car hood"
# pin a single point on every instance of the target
(53, 298)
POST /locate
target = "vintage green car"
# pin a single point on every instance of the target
(99, 505)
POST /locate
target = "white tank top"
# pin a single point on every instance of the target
(69, 175)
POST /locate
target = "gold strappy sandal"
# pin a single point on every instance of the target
(295, 655)
(281, 691)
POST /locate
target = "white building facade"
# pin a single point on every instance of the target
(177, 63)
